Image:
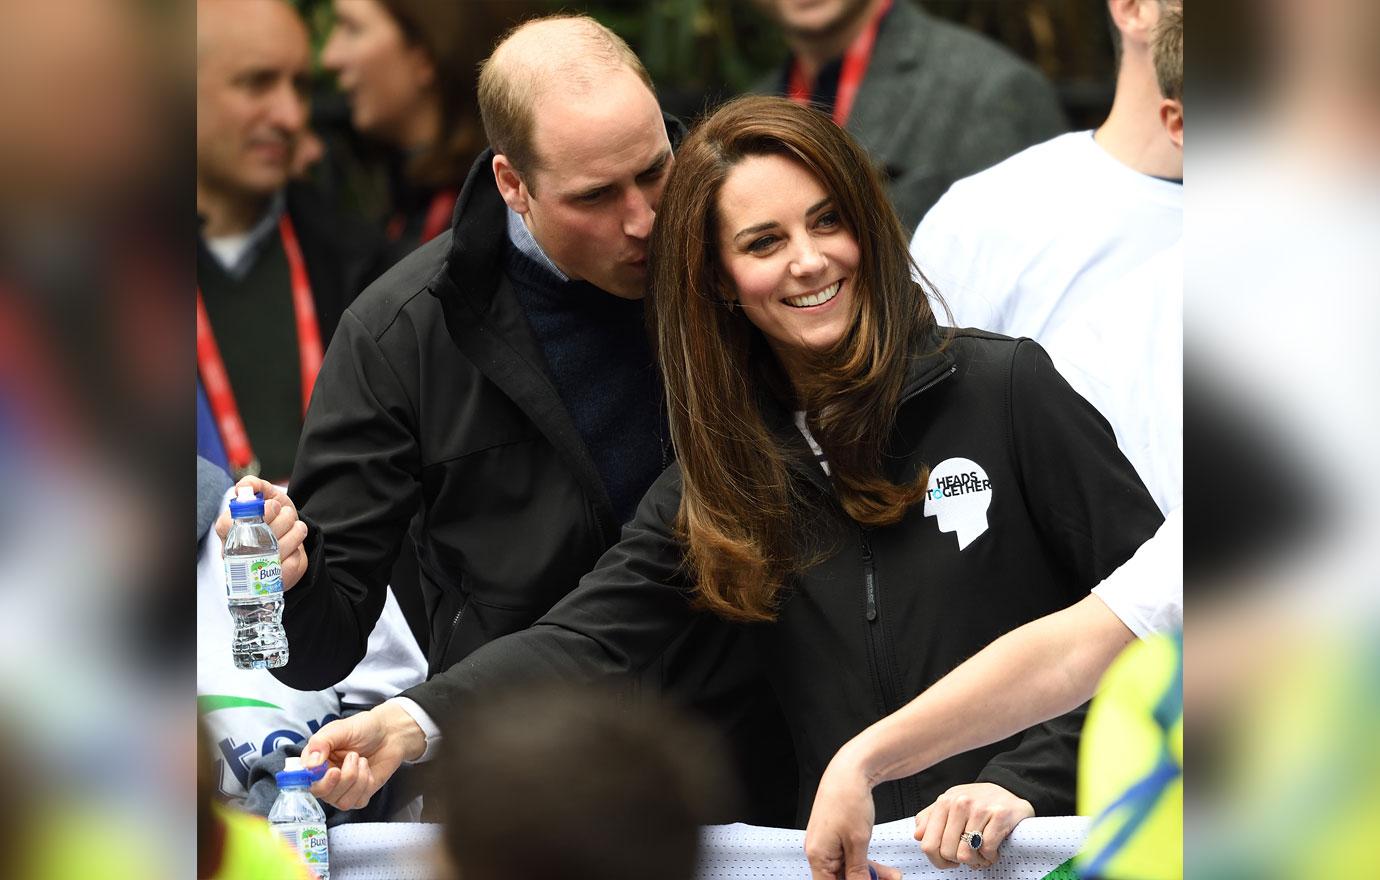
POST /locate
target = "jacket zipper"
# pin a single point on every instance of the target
(882, 660)
(454, 625)
(869, 577)
(876, 631)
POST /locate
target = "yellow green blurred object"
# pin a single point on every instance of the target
(1130, 773)
(1302, 786)
(112, 847)
(253, 852)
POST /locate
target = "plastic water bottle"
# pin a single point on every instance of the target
(254, 586)
(299, 819)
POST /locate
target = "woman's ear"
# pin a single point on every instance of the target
(723, 289)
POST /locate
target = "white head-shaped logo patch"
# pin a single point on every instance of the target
(958, 496)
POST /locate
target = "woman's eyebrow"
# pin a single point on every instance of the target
(762, 227)
(757, 227)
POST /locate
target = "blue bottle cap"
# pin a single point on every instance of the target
(293, 778)
(294, 775)
(241, 508)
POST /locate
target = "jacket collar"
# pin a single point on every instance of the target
(478, 229)
(929, 365)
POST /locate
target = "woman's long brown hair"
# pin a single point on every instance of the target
(742, 514)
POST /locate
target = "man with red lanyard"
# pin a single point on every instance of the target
(274, 268)
(931, 101)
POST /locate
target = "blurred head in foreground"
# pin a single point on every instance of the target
(573, 784)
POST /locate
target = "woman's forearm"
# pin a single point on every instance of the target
(1041, 670)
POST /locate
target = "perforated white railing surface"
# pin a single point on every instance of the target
(404, 851)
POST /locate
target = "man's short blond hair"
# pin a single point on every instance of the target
(1167, 47)
(554, 51)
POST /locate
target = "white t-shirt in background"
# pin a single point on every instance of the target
(1022, 247)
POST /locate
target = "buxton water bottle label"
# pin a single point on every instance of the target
(247, 577)
(309, 840)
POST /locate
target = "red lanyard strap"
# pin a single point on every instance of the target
(212, 366)
(855, 62)
(437, 218)
(309, 349)
(438, 215)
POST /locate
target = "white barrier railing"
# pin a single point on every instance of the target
(406, 851)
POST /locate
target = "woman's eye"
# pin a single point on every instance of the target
(759, 245)
(828, 219)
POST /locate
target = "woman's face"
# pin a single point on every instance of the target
(386, 79)
(789, 260)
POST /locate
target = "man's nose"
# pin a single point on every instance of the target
(289, 110)
(638, 214)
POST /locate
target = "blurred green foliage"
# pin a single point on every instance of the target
(697, 51)
(700, 52)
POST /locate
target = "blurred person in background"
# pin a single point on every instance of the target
(931, 101)
(408, 70)
(576, 784)
(494, 396)
(275, 267)
(1023, 247)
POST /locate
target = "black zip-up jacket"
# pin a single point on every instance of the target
(1026, 473)
(433, 411)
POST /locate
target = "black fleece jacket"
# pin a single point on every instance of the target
(1034, 506)
(434, 414)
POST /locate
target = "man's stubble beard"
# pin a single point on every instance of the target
(851, 11)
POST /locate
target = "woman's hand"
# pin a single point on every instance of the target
(980, 807)
(841, 824)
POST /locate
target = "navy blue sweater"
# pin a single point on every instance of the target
(598, 356)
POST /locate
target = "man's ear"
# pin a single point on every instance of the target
(1135, 19)
(510, 184)
(1172, 118)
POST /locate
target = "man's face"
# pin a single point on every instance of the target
(252, 80)
(815, 18)
(603, 161)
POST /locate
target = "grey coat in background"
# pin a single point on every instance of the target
(940, 102)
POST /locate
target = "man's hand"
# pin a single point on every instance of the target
(841, 824)
(981, 807)
(363, 752)
(281, 515)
